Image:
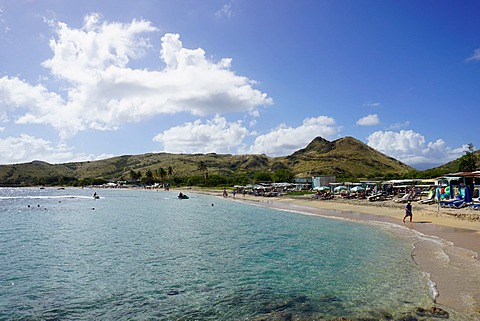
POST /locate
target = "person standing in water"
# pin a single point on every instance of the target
(408, 212)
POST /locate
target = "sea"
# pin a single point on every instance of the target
(147, 255)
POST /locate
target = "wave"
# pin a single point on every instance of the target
(45, 197)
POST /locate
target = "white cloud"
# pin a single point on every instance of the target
(80, 56)
(26, 148)
(225, 11)
(369, 120)
(216, 135)
(475, 56)
(372, 104)
(16, 94)
(102, 92)
(411, 148)
(285, 140)
(399, 125)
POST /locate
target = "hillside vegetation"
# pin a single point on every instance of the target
(346, 158)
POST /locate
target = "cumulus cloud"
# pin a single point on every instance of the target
(284, 140)
(216, 135)
(80, 56)
(16, 94)
(102, 92)
(369, 120)
(411, 147)
(26, 148)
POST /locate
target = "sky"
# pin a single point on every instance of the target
(88, 80)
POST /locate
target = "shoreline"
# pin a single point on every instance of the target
(447, 249)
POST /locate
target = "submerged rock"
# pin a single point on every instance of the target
(433, 312)
(300, 299)
(173, 292)
(408, 318)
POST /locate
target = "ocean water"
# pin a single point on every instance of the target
(146, 255)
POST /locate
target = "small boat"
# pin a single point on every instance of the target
(183, 196)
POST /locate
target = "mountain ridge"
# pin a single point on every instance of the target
(345, 157)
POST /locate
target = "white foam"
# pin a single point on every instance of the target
(45, 197)
(432, 287)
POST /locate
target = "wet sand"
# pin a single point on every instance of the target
(448, 245)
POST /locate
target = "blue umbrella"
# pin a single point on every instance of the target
(468, 196)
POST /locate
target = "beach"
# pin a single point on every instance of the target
(448, 247)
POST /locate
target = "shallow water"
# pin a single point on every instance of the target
(135, 254)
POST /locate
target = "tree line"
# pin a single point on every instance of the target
(202, 177)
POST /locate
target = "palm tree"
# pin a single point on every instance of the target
(468, 162)
(148, 177)
(162, 173)
(135, 175)
(203, 167)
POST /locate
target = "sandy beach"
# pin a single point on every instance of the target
(447, 249)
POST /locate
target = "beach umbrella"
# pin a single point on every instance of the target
(357, 189)
(468, 196)
(339, 188)
(322, 188)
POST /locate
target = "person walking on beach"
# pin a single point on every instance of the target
(408, 212)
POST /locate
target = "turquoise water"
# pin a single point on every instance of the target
(146, 255)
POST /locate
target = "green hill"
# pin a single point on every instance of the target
(345, 158)
(450, 167)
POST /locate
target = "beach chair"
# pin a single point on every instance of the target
(430, 198)
(405, 198)
(380, 196)
(454, 204)
(474, 206)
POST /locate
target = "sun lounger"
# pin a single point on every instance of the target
(377, 197)
(427, 201)
(430, 198)
(454, 204)
(460, 204)
(405, 198)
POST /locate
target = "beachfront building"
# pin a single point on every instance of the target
(318, 181)
(303, 183)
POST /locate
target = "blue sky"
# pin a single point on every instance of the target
(86, 80)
